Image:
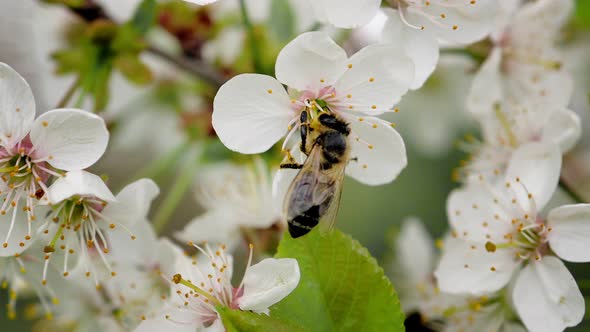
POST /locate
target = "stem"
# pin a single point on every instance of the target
(479, 58)
(80, 101)
(569, 190)
(181, 184)
(159, 165)
(69, 94)
(195, 67)
(254, 46)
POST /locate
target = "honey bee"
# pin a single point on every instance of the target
(314, 194)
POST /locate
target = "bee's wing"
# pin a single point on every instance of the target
(329, 217)
(300, 195)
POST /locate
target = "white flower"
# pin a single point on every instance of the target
(423, 301)
(32, 151)
(82, 308)
(418, 25)
(234, 197)
(497, 230)
(20, 274)
(511, 130)
(201, 285)
(84, 210)
(524, 64)
(252, 112)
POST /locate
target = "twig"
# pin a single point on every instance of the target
(254, 47)
(181, 184)
(69, 94)
(197, 68)
(93, 11)
(569, 190)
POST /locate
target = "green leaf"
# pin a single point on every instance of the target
(341, 288)
(69, 3)
(245, 321)
(145, 16)
(582, 16)
(133, 69)
(282, 20)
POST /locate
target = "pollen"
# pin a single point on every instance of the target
(269, 90)
(45, 123)
(177, 278)
(374, 106)
(372, 79)
(490, 247)
(350, 66)
(349, 96)
(374, 125)
(455, 27)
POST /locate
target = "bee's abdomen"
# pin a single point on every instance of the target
(305, 222)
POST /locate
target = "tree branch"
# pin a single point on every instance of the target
(570, 191)
(198, 68)
(92, 11)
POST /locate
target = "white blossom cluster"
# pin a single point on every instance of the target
(96, 263)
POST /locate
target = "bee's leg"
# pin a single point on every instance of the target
(303, 130)
(291, 165)
(353, 159)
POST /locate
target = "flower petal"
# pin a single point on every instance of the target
(379, 149)
(280, 186)
(268, 282)
(486, 89)
(562, 127)
(569, 237)
(251, 112)
(350, 14)
(375, 79)
(77, 183)
(475, 217)
(537, 166)
(537, 24)
(462, 22)
(467, 267)
(201, 2)
(70, 139)
(414, 251)
(133, 202)
(539, 83)
(216, 226)
(125, 251)
(546, 296)
(420, 45)
(310, 61)
(17, 106)
(173, 319)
